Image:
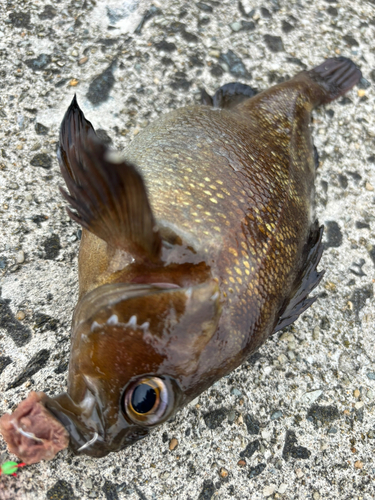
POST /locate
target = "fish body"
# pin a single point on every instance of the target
(198, 244)
(241, 210)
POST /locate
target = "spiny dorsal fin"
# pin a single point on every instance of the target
(108, 193)
(306, 281)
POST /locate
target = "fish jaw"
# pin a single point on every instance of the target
(96, 429)
(87, 432)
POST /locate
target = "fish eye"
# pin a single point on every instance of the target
(146, 400)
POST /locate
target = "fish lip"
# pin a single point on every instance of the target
(62, 408)
(92, 440)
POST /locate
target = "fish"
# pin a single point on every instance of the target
(199, 242)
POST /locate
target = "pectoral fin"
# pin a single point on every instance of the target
(306, 281)
(107, 192)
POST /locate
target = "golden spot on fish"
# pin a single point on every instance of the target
(219, 181)
(208, 193)
(233, 251)
(231, 279)
(239, 280)
(247, 272)
(217, 228)
(213, 200)
(238, 271)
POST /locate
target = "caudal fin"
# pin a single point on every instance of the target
(335, 76)
(107, 192)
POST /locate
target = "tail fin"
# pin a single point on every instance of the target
(335, 77)
(108, 193)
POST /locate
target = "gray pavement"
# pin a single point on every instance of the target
(297, 421)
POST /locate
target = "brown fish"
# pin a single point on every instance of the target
(182, 281)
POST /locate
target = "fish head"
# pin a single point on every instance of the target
(136, 351)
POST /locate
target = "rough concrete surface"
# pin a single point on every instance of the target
(298, 419)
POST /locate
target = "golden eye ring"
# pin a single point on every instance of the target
(146, 400)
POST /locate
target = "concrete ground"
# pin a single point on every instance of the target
(297, 421)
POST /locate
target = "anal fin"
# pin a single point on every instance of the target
(107, 192)
(228, 96)
(305, 282)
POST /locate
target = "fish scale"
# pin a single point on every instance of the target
(151, 142)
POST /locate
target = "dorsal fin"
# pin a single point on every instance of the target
(305, 282)
(108, 193)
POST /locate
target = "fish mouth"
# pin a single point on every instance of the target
(89, 437)
(92, 433)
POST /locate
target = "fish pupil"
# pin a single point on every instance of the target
(143, 398)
